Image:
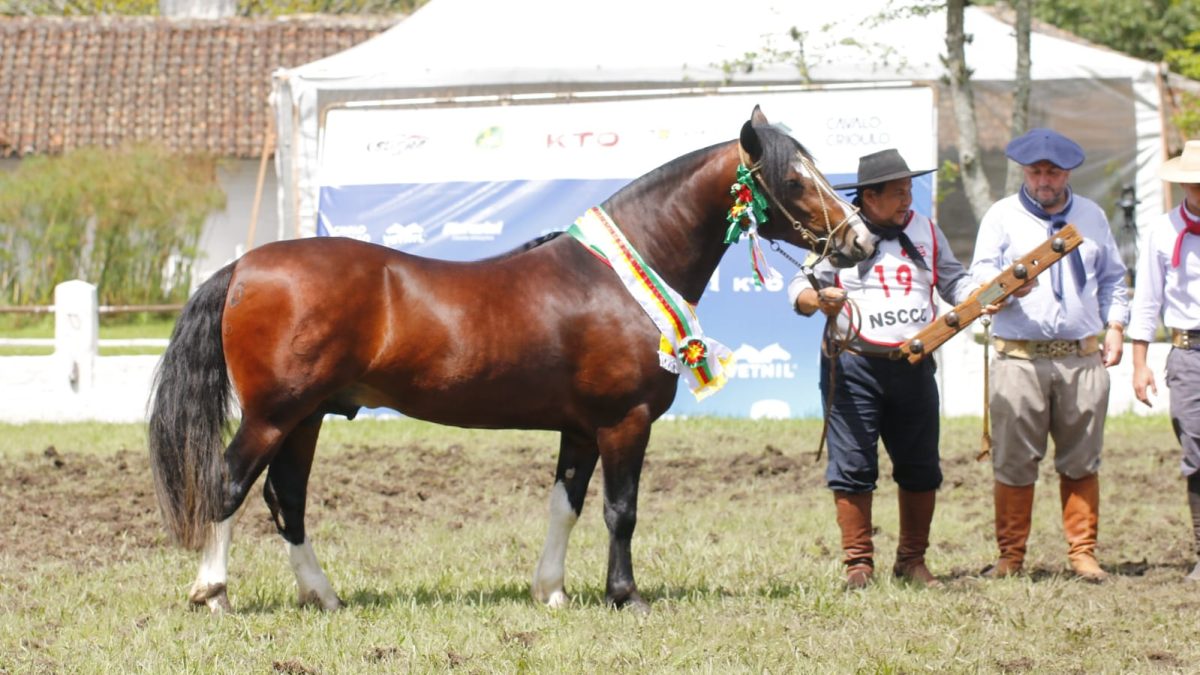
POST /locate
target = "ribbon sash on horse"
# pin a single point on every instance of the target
(704, 360)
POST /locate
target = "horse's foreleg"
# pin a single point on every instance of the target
(209, 588)
(285, 492)
(576, 461)
(622, 450)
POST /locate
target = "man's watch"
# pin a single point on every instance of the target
(1117, 326)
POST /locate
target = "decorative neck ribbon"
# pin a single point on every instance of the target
(748, 210)
(704, 360)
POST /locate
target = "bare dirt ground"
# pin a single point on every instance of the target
(72, 506)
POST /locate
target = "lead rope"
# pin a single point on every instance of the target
(985, 444)
(832, 346)
(833, 343)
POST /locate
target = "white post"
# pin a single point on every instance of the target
(76, 332)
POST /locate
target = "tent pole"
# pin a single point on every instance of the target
(267, 147)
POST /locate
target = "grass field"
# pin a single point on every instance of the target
(430, 535)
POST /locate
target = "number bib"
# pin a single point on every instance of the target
(894, 296)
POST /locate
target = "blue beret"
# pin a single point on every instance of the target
(1044, 144)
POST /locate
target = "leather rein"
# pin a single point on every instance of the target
(832, 344)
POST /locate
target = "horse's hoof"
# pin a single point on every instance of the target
(633, 604)
(330, 604)
(557, 600)
(212, 596)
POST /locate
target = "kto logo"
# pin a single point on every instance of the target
(772, 362)
(582, 139)
(398, 235)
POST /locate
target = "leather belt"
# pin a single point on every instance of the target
(889, 354)
(1185, 339)
(1047, 349)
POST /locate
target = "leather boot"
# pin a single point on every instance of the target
(1081, 520)
(1014, 516)
(916, 513)
(1193, 490)
(854, 519)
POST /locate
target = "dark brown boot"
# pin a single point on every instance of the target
(1193, 495)
(854, 519)
(916, 513)
(1014, 515)
(1081, 520)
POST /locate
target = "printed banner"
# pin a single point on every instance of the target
(472, 182)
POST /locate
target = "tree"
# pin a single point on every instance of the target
(970, 162)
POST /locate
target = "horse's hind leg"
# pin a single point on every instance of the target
(285, 492)
(576, 460)
(209, 587)
(622, 450)
(244, 458)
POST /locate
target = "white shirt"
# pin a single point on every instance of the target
(1008, 231)
(1173, 292)
(898, 304)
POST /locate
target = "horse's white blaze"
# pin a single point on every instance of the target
(214, 561)
(550, 572)
(311, 582)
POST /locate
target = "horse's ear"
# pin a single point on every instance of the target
(751, 145)
(757, 118)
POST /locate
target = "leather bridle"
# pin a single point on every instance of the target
(818, 245)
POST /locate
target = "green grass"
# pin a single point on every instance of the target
(736, 549)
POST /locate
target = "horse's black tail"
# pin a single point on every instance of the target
(189, 409)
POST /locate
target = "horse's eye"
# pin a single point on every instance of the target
(793, 184)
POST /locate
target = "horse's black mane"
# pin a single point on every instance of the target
(531, 244)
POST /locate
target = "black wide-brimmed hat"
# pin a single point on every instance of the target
(880, 167)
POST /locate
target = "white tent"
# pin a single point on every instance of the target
(462, 51)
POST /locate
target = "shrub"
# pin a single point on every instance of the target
(126, 219)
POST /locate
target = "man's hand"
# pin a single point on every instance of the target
(1143, 384)
(830, 300)
(1024, 290)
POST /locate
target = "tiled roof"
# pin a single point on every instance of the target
(193, 85)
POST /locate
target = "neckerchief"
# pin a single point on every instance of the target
(1189, 227)
(890, 233)
(704, 360)
(1057, 222)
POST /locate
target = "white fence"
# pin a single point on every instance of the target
(75, 383)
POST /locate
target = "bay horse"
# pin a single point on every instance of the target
(545, 337)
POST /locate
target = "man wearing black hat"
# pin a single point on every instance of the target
(1048, 376)
(876, 395)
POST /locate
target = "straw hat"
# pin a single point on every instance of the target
(1184, 168)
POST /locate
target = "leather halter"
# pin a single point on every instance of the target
(818, 245)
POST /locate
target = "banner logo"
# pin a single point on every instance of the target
(359, 232)
(398, 235)
(487, 230)
(772, 362)
(397, 145)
